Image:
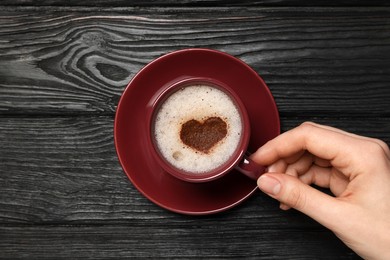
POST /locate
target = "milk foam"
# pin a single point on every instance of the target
(197, 102)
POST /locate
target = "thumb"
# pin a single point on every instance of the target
(294, 193)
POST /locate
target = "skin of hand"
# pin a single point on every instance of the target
(356, 169)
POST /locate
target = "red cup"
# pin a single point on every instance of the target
(238, 160)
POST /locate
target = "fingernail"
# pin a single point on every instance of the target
(284, 206)
(269, 185)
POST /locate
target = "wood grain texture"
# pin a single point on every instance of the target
(194, 3)
(78, 61)
(63, 67)
(170, 240)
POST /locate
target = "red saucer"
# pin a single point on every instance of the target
(131, 130)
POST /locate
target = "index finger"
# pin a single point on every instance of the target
(340, 149)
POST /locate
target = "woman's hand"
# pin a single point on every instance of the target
(357, 171)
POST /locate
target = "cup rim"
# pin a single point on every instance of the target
(167, 90)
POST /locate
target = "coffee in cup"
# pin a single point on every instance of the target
(199, 130)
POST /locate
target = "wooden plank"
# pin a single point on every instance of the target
(329, 61)
(169, 239)
(194, 3)
(65, 170)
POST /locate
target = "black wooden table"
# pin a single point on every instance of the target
(64, 65)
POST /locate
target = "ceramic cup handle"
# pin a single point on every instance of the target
(250, 168)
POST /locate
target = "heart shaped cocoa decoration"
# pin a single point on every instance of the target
(202, 136)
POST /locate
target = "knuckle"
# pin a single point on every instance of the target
(383, 145)
(307, 126)
(377, 147)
